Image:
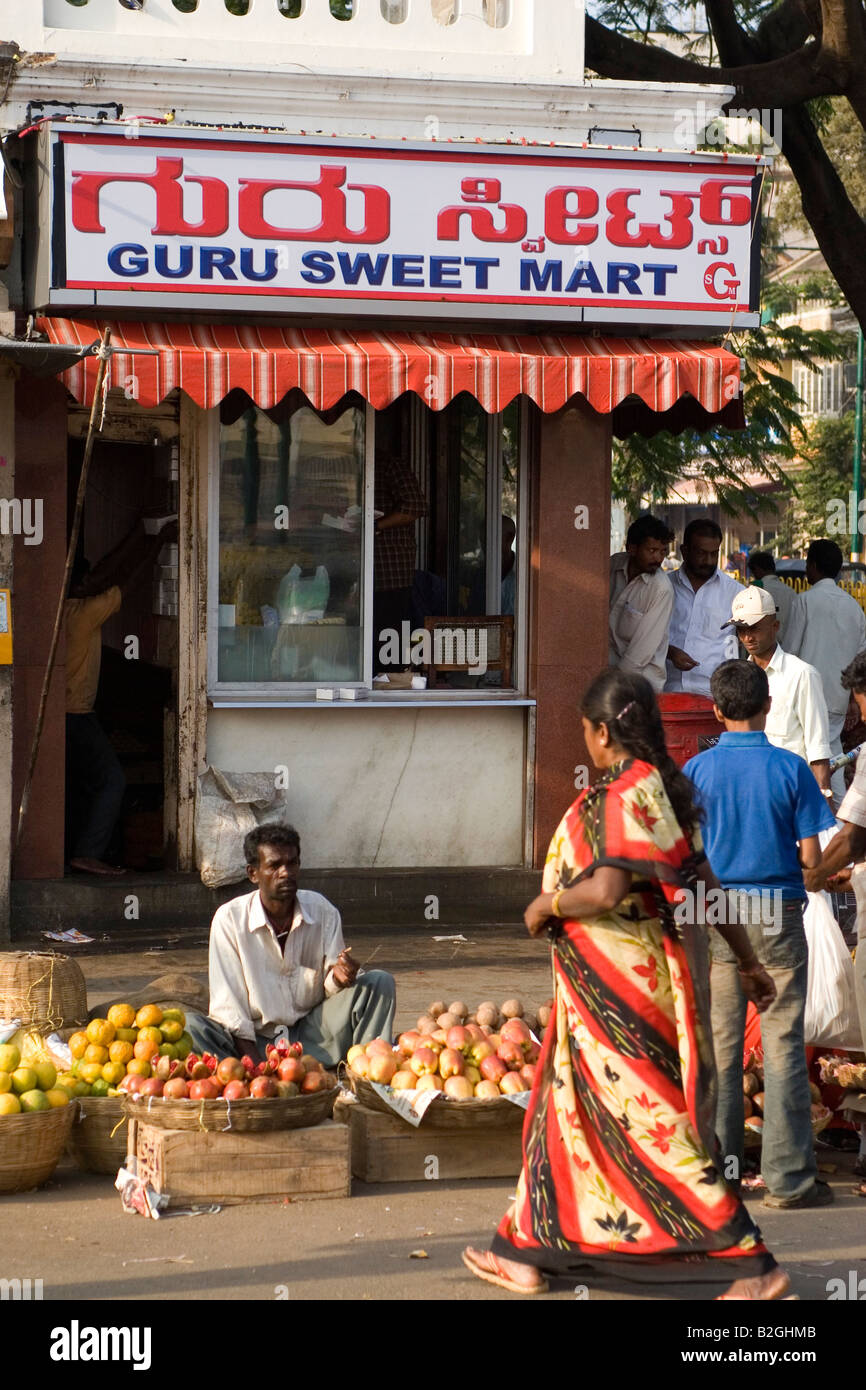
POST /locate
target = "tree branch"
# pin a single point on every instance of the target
(731, 40)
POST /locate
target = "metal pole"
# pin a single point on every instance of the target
(858, 450)
(61, 601)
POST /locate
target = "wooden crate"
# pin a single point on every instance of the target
(199, 1167)
(387, 1149)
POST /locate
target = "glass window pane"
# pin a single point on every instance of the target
(471, 567)
(291, 548)
(509, 535)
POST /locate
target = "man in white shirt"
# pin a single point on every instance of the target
(762, 567)
(832, 631)
(641, 601)
(702, 603)
(798, 713)
(278, 966)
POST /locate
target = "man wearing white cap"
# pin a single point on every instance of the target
(798, 714)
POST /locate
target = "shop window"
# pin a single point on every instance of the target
(497, 13)
(394, 11)
(291, 547)
(342, 9)
(292, 9)
(445, 11)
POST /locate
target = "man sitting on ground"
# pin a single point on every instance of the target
(278, 966)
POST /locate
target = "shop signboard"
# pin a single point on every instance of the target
(147, 218)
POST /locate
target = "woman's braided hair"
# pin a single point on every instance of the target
(627, 705)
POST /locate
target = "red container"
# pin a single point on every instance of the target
(689, 725)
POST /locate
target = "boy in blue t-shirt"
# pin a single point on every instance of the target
(762, 811)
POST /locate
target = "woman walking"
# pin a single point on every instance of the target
(621, 1173)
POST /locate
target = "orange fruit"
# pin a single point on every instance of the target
(92, 1053)
(113, 1072)
(100, 1032)
(148, 1016)
(153, 1035)
(78, 1044)
(121, 1015)
(127, 1035)
(9, 1104)
(90, 1072)
(57, 1096)
(144, 1050)
(138, 1067)
(120, 1052)
(171, 1030)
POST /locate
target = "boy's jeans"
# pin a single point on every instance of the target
(788, 1157)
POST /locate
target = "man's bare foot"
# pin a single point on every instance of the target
(763, 1289)
(507, 1274)
(95, 866)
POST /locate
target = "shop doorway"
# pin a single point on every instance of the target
(134, 473)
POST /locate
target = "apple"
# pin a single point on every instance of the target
(493, 1068)
(430, 1083)
(424, 1061)
(407, 1041)
(450, 1063)
(236, 1089)
(487, 1090)
(357, 1050)
(379, 1045)
(383, 1067)
(511, 1054)
(315, 1081)
(515, 1030)
(404, 1080)
(230, 1069)
(472, 1074)
(511, 1083)
(291, 1069)
(360, 1066)
(458, 1039)
(528, 1073)
(263, 1088)
(176, 1089)
(459, 1088)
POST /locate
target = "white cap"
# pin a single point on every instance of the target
(750, 606)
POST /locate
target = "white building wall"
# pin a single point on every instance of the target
(389, 788)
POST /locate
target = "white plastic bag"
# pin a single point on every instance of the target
(228, 806)
(831, 1005)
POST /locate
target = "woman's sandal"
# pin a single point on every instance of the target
(781, 1294)
(492, 1272)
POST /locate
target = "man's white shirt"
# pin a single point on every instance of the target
(640, 611)
(254, 986)
(696, 628)
(833, 627)
(798, 713)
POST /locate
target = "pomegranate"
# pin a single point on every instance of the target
(311, 1063)
(263, 1088)
(236, 1089)
(315, 1081)
(230, 1069)
(199, 1071)
(152, 1086)
(287, 1089)
(205, 1089)
(176, 1089)
(292, 1069)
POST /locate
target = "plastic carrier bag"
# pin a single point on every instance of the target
(831, 1005)
(229, 805)
(303, 600)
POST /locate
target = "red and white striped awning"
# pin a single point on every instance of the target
(207, 361)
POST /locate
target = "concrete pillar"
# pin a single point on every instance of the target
(40, 436)
(569, 599)
(7, 489)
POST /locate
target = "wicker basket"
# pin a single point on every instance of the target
(98, 1141)
(752, 1139)
(239, 1116)
(447, 1114)
(44, 990)
(31, 1146)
